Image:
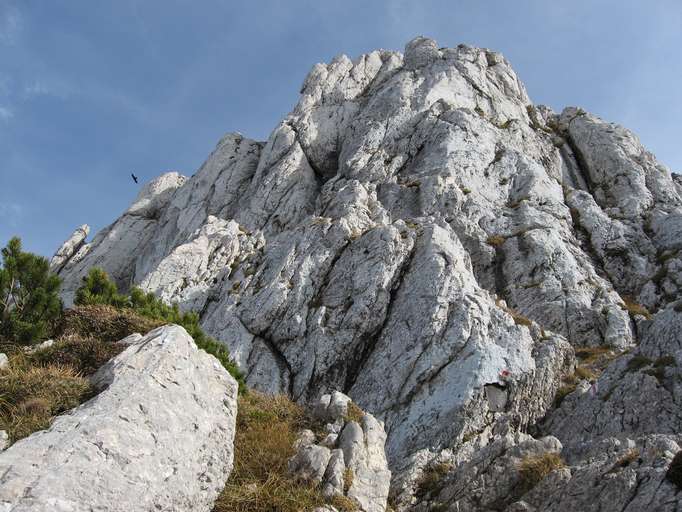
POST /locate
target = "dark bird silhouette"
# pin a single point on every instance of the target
(134, 177)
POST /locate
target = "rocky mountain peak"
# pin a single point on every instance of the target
(419, 235)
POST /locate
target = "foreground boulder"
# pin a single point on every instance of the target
(159, 436)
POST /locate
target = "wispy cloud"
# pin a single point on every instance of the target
(5, 115)
(55, 89)
(11, 23)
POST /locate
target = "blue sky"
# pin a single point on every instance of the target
(90, 91)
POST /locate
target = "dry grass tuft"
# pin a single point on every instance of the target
(563, 391)
(518, 318)
(40, 385)
(594, 355)
(103, 323)
(348, 477)
(354, 413)
(267, 428)
(533, 468)
(495, 240)
(30, 396)
(431, 480)
(84, 356)
(636, 309)
(582, 372)
(343, 503)
(628, 458)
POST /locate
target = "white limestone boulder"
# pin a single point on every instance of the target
(157, 437)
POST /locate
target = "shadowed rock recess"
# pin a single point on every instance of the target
(419, 235)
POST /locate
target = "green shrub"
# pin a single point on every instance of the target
(98, 289)
(29, 301)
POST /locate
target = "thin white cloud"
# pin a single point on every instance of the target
(5, 114)
(54, 89)
(11, 23)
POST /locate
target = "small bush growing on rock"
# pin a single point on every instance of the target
(638, 362)
(533, 468)
(29, 301)
(674, 473)
(98, 289)
(628, 458)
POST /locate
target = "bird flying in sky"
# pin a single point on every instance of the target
(134, 177)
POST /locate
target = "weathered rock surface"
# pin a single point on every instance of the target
(69, 248)
(158, 437)
(419, 235)
(350, 461)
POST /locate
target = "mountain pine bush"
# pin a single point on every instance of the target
(29, 300)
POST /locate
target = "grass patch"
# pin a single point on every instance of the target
(39, 385)
(103, 323)
(496, 240)
(354, 413)
(30, 396)
(83, 356)
(432, 478)
(267, 428)
(594, 355)
(533, 468)
(348, 477)
(585, 373)
(665, 361)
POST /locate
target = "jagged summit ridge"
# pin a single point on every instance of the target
(413, 228)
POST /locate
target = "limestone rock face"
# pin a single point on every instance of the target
(69, 248)
(419, 235)
(158, 437)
